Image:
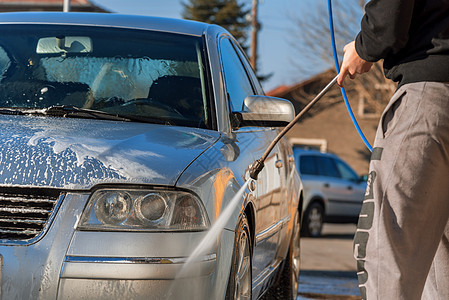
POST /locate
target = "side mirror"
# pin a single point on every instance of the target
(265, 111)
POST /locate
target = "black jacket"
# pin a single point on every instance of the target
(412, 36)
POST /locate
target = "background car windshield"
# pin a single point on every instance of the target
(128, 72)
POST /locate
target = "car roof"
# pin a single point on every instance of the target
(303, 151)
(108, 20)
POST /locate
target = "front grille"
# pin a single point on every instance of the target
(25, 214)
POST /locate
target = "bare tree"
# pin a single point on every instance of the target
(312, 41)
(311, 33)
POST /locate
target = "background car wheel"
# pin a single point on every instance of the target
(240, 279)
(313, 220)
(286, 286)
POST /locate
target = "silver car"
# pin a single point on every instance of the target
(126, 145)
(333, 191)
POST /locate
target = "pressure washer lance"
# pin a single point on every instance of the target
(258, 165)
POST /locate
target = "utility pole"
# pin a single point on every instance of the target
(66, 6)
(254, 30)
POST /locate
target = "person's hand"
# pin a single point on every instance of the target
(352, 64)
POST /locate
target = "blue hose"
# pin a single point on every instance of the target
(343, 91)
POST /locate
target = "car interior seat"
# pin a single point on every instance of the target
(181, 93)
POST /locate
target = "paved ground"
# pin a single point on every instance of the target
(328, 269)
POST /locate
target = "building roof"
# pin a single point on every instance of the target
(48, 5)
(48, 2)
(278, 90)
(283, 90)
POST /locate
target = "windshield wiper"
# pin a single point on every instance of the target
(5, 111)
(70, 111)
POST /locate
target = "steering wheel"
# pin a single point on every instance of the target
(143, 104)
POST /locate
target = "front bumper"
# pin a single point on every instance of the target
(117, 265)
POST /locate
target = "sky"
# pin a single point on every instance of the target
(274, 50)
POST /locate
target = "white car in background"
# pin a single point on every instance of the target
(333, 191)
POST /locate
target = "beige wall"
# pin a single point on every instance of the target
(334, 125)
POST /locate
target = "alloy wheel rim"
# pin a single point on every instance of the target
(295, 257)
(315, 221)
(243, 274)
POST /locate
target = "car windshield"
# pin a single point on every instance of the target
(139, 74)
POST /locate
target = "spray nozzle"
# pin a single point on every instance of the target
(256, 168)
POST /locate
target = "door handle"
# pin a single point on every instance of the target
(350, 187)
(326, 185)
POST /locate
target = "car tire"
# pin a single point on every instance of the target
(240, 278)
(286, 286)
(313, 220)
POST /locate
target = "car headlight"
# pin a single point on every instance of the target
(129, 209)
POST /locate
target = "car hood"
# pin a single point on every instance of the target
(80, 153)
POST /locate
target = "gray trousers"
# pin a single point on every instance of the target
(402, 239)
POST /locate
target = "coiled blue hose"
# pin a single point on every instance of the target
(343, 91)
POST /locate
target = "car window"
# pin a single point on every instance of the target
(130, 72)
(327, 167)
(345, 171)
(238, 84)
(252, 75)
(308, 165)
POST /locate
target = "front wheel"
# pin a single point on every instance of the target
(240, 279)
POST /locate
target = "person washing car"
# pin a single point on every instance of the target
(402, 240)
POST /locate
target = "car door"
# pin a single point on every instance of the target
(341, 187)
(255, 139)
(353, 186)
